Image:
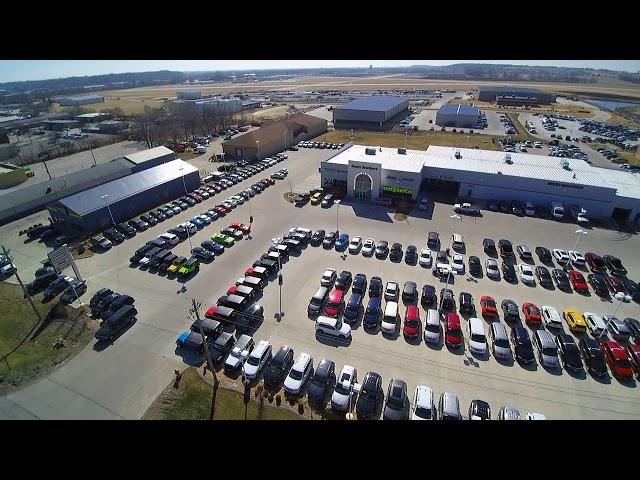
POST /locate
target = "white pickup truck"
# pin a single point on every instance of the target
(580, 215)
(466, 208)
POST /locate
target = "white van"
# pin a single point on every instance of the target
(529, 209)
(432, 327)
(477, 338)
(557, 210)
(457, 242)
(390, 319)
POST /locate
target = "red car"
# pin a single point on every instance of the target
(617, 359)
(614, 284)
(336, 300)
(222, 208)
(196, 197)
(531, 314)
(489, 308)
(411, 321)
(577, 280)
(595, 262)
(452, 331)
(240, 226)
(633, 351)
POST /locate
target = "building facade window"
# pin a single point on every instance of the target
(397, 191)
(363, 185)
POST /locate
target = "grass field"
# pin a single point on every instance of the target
(35, 358)
(414, 140)
(616, 118)
(192, 399)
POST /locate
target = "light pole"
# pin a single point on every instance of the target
(258, 145)
(337, 202)
(578, 234)
(621, 297)
(276, 242)
(113, 222)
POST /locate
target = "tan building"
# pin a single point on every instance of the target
(10, 176)
(274, 137)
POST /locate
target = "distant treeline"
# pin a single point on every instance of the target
(629, 77)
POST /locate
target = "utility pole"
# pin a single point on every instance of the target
(15, 271)
(196, 311)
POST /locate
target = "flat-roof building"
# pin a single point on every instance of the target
(456, 115)
(60, 125)
(515, 95)
(117, 201)
(93, 117)
(188, 94)
(371, 113)
(368, 173)
(74, 101)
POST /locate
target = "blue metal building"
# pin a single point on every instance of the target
(371, 113)
(117, 201)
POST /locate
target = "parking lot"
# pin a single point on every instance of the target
(144, 357)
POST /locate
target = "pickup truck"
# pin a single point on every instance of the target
(466, 208)
(580, 215)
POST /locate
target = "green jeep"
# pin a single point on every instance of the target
(191, 265)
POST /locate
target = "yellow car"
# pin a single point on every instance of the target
(574, 320)
(316, 198)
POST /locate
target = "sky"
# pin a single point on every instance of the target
(19, 70)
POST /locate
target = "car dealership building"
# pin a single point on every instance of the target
(368, 173)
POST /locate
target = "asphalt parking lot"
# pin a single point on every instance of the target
(123, 379)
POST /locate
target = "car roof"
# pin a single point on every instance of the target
(302, 361)
(323, 367)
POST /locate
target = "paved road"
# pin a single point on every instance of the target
(122, 380)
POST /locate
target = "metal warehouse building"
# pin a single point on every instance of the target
(275, 137)
(29, 199)
(455, 115)
(371, 172)
(78, 100)
(371, 113)
(513, 95)
(117, 201)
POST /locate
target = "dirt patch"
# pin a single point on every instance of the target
(289, 197)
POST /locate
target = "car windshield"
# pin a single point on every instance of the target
(623, 363)
(454, 332)
(423, 412)
(552, 352)
(412, 323)
(295, 374)
(475, 337)
(432, 328)
(490, 303)
(502, 342)
(255, 361)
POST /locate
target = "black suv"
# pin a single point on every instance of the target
(279, 367)
(317, 238)
(344, 281)
(480, 410)
(410, 292)
(475, 267)
(382, 249)
(375, 287)
(370, 398)
(544, 277)
(489, 246)
(447, 302)
(324, 379)
(395, 254)
(521, 344)
(510, 310)
(506, 248)
(411, 255)
(466, 303)
(433, 240)
(508, 272)
(428, 299)
(329, 239)
(359, 284)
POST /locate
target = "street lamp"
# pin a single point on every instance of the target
(337, 202)
(258, 145)
(276, 242)
(113, 222)
(621, 297)
(579, 233)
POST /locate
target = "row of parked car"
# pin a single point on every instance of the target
(320, 145)
(332, 304)
(119, 232)
(115, 310)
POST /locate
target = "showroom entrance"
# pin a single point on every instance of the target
(363, 185)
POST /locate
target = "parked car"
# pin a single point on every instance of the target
(344, 392)
(370, 397)
(396, 405)
(617, 359)
(569, 353)
(593, 356)
(523, 350)
(301, 370)
(322, 382)
(279, 367)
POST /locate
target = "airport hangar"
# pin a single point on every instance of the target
(505, 95)
(367, 173)
(456, 115)
(371, 113)
(119, 200)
